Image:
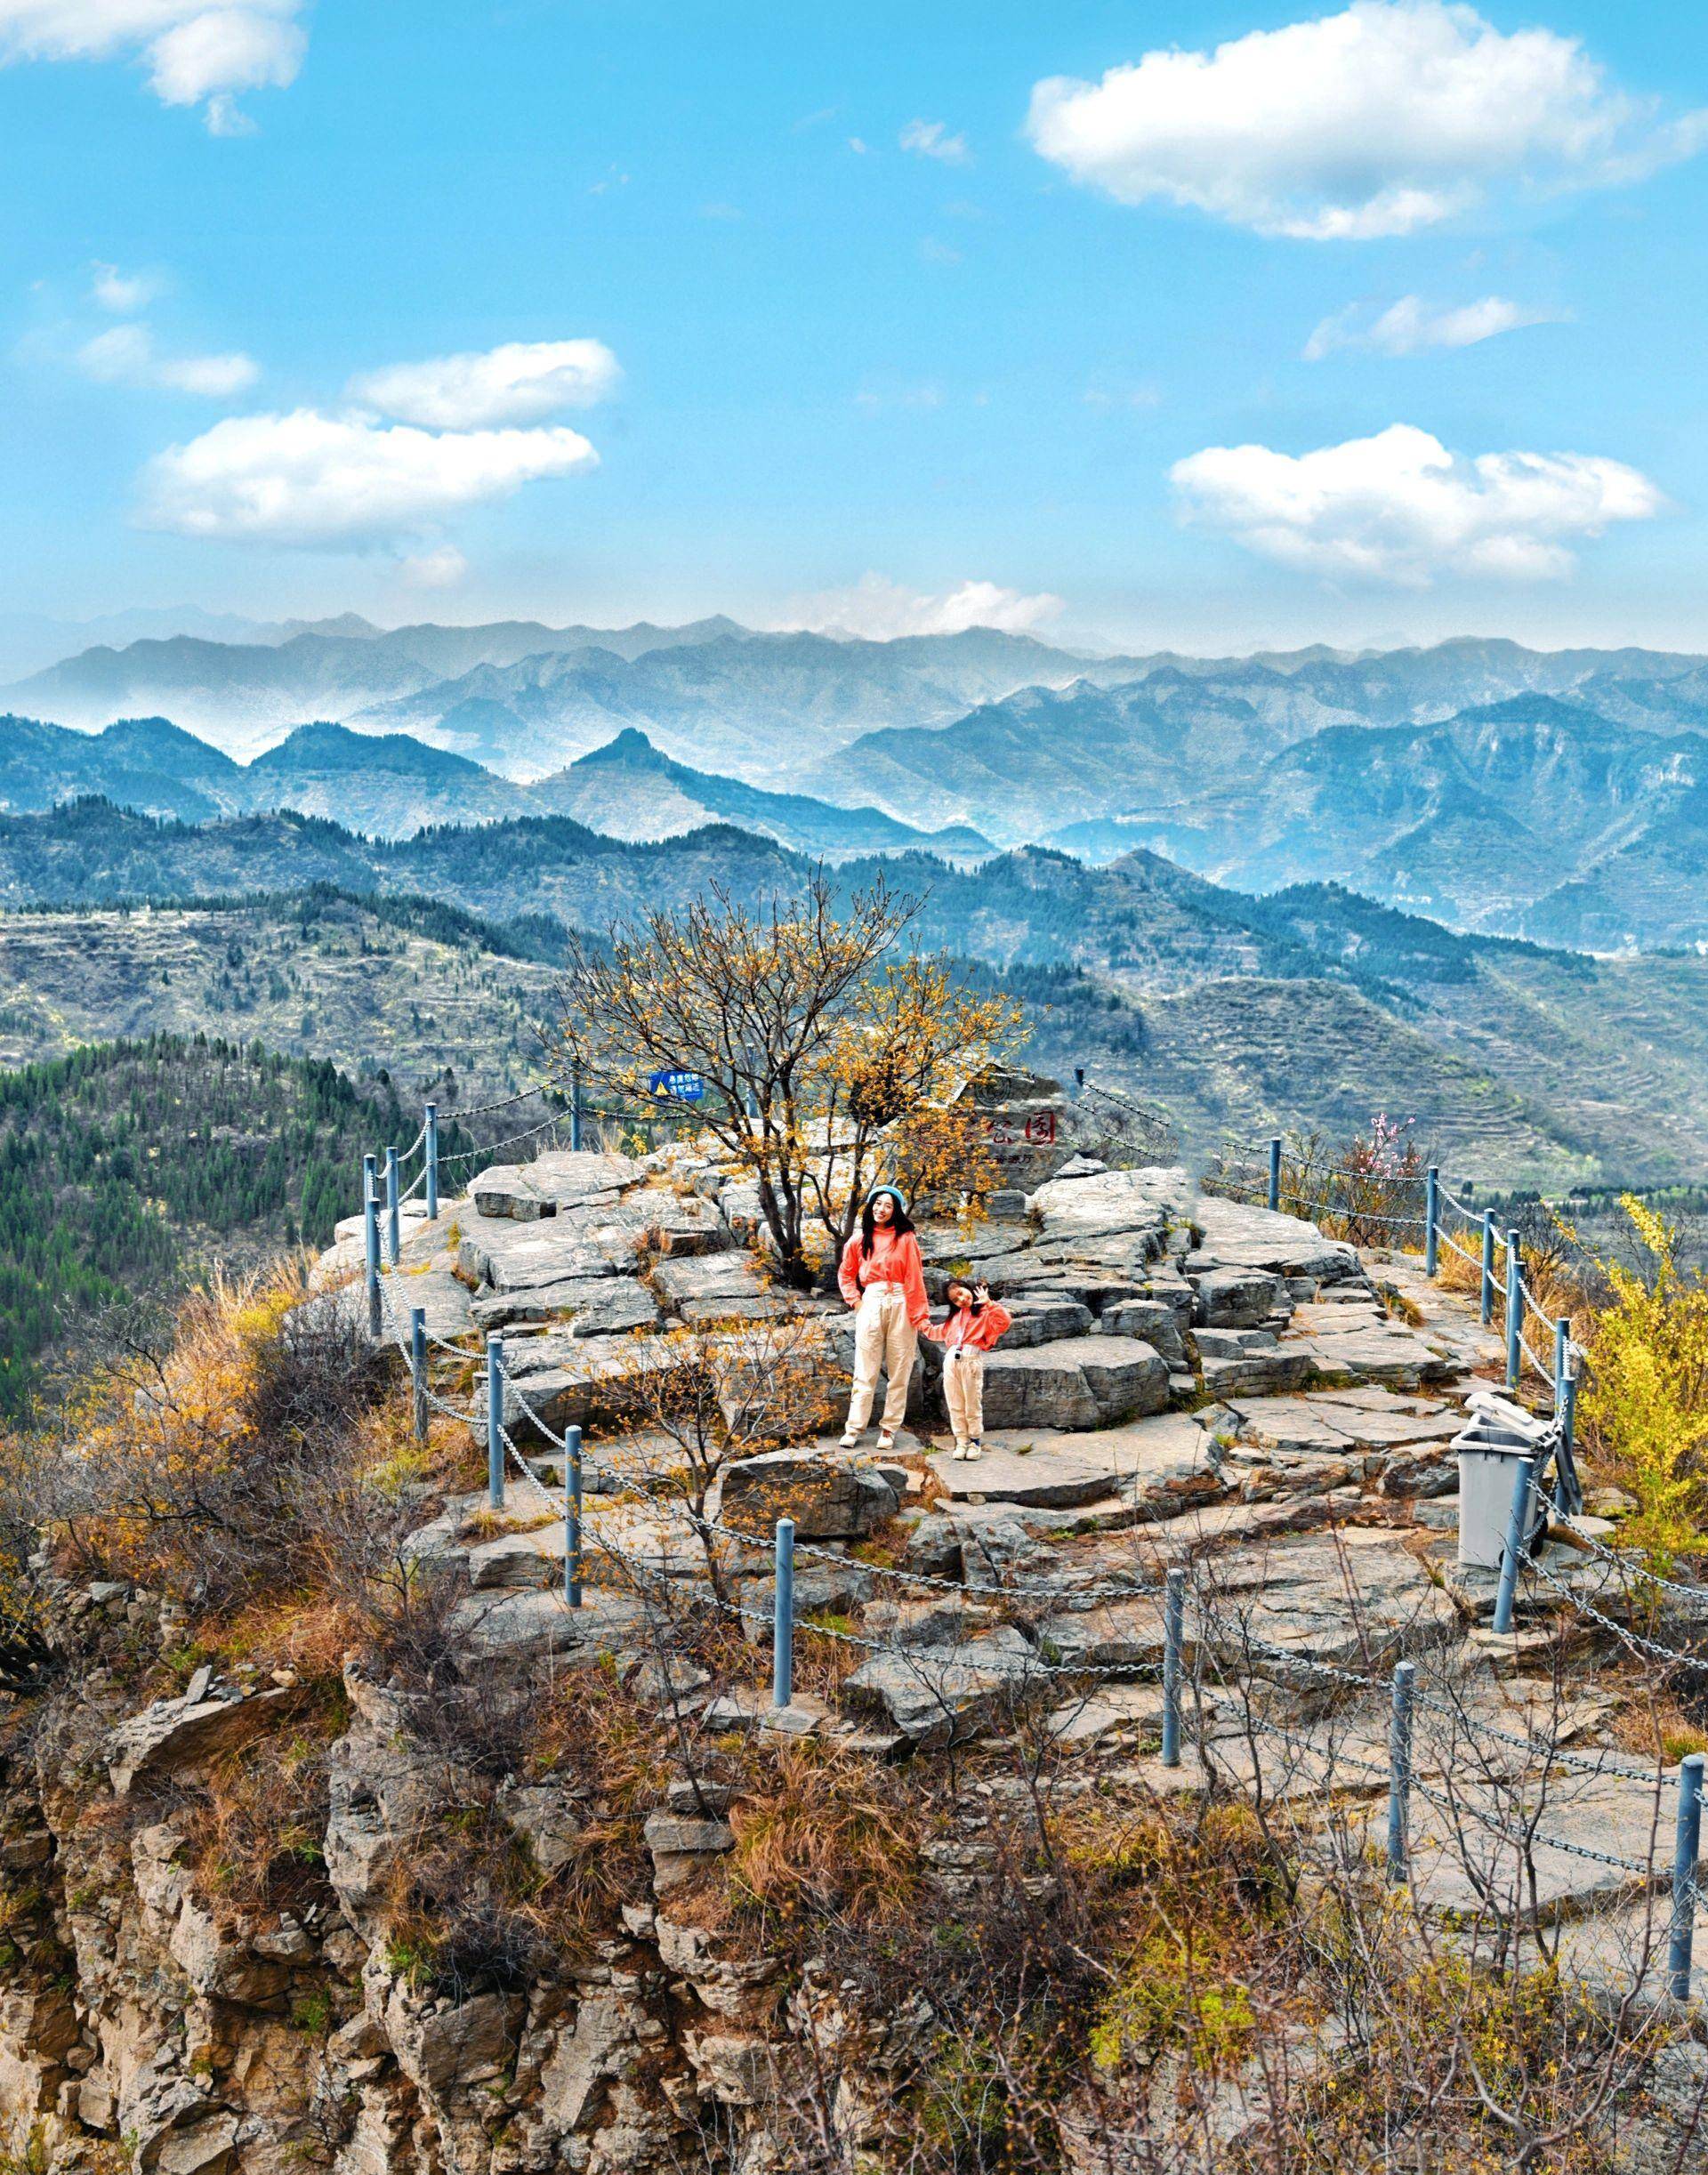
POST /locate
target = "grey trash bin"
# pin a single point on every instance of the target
(1497, 1436)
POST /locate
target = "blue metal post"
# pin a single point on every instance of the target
(1174, 1639)
(575, 1109)
(782, 1617)
(371, 1241)
(494, 1423)
(1431, 1219)
(572, 1517)
(432, 1162)
(1399, 1773)
(393, 1208)
(1562, 1348)
(1488, 1267)
(1275, 1174)
(1516, 1521)
(418, 1367)
(1514, 1311)
(1685, 1886)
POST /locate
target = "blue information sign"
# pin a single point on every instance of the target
(669, 1086)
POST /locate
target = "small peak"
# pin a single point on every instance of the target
(631, 746)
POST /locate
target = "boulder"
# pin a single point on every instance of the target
(938, 1697)
(544, 1302)
(1259, 1371)
(1127, 1379)
(1044, 1388)
(620, 1305)
(509, 1256)
(1119, 1634)
(1386, 1354)
(829, 1499)
(1237, 1298)
(1237, 1233)
(1141, 1204)
(681, 1846)
(518, 1560)
(178, 1739)
(934, 1547)
(819, 1587)
(681, 1224)
(1234, 1343)
(470, 2043)
(682, 1278)
(1043, 1318)
(1155, 1321)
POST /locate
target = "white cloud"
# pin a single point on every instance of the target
(1389, 117)
(122, 292)
(215, 377)
(879, 610)
(118, 357)
(196, 54)
(519, 382)
(125, 355)
(1409, 327)
(441, 567)
(1400, 508)
(313, 478)
(933, 139)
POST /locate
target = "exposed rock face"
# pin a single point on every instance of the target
(829, 1500)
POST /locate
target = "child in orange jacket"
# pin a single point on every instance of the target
(975, 1323)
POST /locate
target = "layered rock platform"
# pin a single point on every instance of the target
(1188, 1381)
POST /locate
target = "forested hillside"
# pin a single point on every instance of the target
(128, 1167)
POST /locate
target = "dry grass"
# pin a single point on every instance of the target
(833, 1834)
(255, 1835)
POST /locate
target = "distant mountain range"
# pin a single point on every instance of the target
(1561, 794)
(525, 698)
(392, 786)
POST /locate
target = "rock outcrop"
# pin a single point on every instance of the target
(1187, 1380)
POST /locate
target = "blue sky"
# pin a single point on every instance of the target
(1389, 325)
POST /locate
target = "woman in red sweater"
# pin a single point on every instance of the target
(975, 1323)
(883, 1278)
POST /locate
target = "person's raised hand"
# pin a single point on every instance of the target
(981, 1292)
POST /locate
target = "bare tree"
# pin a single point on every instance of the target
(819, 1041)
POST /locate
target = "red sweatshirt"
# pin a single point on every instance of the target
(978, 1332)
(895, 1259)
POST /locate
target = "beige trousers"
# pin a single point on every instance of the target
(963, 1391)
(885, 1341)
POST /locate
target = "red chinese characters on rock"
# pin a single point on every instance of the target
(1037, 1131)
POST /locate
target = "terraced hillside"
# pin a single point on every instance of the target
(1309, 1009)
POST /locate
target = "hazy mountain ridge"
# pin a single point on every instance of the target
(392, 786)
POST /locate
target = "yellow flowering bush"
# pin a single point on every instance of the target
(1646, 1400)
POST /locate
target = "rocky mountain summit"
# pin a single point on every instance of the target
(1188, 1381)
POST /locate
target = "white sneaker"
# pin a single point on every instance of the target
(850, 1441)
(975, 1450)
(885, 1442)
(959, 1452)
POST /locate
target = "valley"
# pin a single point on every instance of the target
(1311, 1007)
